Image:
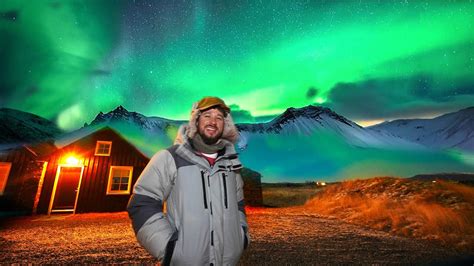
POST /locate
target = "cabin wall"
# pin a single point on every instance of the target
(22, 182)
(93, 189)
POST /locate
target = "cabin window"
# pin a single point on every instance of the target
(4, 172)
(103, 148)
(120, 180)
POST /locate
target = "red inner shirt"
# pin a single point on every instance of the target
(210, 160)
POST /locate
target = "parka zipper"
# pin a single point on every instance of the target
(225, 189)
(204, 189)
(212, 238)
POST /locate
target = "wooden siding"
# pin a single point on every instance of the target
(93, 190)
(22, 182)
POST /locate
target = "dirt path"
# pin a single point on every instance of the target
(279, 236)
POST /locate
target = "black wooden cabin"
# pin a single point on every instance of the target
(93, 174)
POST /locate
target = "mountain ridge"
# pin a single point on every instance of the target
(122, 114)
(301, 144)
(456, 129)
(291, 114)
(18, 127)
(450, 130)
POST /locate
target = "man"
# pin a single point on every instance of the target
(200, 181)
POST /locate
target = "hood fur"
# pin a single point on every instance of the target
(188, 131)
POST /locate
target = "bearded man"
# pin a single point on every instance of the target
(199, 179)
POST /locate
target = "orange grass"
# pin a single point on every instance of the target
(287, 196)
(442, 211)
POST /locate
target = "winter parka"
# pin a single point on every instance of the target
(205, 221)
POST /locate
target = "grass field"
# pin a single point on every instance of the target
(288, 194)
(441, 210)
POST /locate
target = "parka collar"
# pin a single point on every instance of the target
(186, 151)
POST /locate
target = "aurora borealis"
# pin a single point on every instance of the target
(368, 61)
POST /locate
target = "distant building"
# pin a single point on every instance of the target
(252, 187)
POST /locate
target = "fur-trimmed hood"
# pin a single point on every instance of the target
(188, 131)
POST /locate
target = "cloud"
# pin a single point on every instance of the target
(466, 89)
(240, 115)
(264, 119)
(311, 93)
(244, 116)
(415, 96)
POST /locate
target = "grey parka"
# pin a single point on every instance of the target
(205, 221)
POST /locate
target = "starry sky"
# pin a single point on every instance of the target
(369, 61)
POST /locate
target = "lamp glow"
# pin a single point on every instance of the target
(72, 160)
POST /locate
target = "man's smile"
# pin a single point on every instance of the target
(211, 129)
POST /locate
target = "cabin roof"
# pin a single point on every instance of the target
(36, 149)
(84, 132)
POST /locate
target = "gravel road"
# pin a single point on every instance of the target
(279, 237)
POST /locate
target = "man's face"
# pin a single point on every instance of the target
(211, 125)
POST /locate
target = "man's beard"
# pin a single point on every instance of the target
(209, 140)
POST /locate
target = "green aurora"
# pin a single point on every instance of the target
(368, 61)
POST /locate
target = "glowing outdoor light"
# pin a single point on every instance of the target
(72, 160)
(320, 183)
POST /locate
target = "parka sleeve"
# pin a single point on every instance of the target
(145, 208)
(241, 205)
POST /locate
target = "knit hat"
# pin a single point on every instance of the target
(208, 102)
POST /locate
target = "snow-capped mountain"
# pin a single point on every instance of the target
(452, 130)
(295, 120)
(301, 144)
(312, 119)
(307, 121)
(17, 127)
(120, 114)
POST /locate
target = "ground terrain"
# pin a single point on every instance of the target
(295, 235)
(279, 236)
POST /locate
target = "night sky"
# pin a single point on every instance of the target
(368, 61)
